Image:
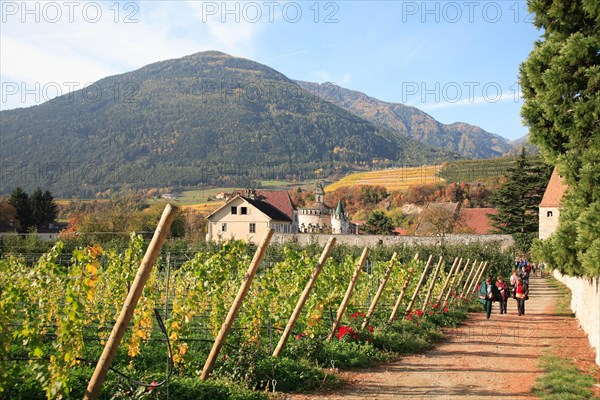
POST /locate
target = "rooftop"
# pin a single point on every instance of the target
(554, 191)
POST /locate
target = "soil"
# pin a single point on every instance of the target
(495, 358)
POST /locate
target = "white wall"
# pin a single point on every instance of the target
(585, 303)
(389, 240)
(548, 223)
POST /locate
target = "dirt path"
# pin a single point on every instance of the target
(496, 358)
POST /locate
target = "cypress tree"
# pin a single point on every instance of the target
(518, 198)
(20, 201)
(560, 81)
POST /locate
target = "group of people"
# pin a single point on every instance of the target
(500, 291)
(522, 264)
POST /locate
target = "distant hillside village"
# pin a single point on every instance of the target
(248, 214)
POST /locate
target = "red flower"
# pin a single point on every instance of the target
(419, 313)
(445, 309)
(355, 315)
(430, 312)
(370, 328)
(436, 305)
(152, 386)
(346, 330)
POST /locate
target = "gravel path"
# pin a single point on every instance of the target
(496, 358)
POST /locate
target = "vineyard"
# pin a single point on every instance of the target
(57, 313)
(390, 179)
(474, 170)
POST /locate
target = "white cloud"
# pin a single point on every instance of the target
(83, 52)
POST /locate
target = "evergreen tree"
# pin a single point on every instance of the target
(36, 210)
(378, 224)
(560, 81)
(518, 199)
(20, 201)
(36, 204)
(50, 208)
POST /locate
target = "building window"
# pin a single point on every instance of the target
(234, 210)
(252, 227)
(549, 214)
(243, 210)
(224, 227)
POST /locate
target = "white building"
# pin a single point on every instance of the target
(320, 218)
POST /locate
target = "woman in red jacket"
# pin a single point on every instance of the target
(521, 294)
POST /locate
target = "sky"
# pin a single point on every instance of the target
(457, 61)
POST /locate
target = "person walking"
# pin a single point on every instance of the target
(503, 289)
(521, 294)
(513, 282)
(525, 276)
(488, 294)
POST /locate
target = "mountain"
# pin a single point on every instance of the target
(208, 118)
(467, 140)
(519, 144)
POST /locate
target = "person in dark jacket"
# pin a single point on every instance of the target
(488, 294)
(504, 292)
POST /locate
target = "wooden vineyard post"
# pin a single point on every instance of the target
(433, 279)
(386, 276)
(346, 299)
(403, 291)
(236, 305)
(459, 284)
(479, 277)
(137, 288)
(453, 282)
(303, 297)
(473, 280)
(447, 281)
(416, 293)
(471, 272)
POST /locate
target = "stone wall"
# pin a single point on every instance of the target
(387, 240)
(585, 303)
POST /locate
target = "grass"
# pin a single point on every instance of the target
(198, 198)
(391, 179)
(562, 380)
(563, 303)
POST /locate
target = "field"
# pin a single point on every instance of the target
(198, 199)
(391, 179)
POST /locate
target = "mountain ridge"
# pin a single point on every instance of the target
(206, 118)
(469, 141)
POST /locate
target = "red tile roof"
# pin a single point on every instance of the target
(279, 199)
(477, 220)
(554, 191)
(400, 231)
